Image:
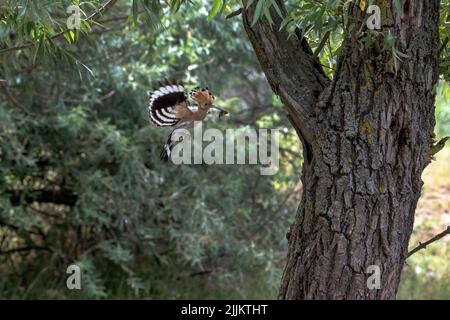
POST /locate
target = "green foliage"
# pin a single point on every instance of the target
(81, 180)
(443, 110)
(444, 30)
(325, 23)
(426, 273)
(80, 176)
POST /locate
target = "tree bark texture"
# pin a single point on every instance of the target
(366, 137)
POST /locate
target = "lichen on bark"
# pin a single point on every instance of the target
(366, 135)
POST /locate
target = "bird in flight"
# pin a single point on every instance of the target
(169, 107)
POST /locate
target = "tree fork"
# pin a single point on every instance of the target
(367, 136)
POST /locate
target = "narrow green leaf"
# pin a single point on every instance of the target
(258, 11)
(249, 3)
(135, 10)
(175, 5)
(268, 15)
(66, 36)
(285, 22)
(277, 8)
(215, 8)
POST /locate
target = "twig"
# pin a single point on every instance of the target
(107, 96)
(13, 100)
(234, 13)
(93, 16)
(200, 273)
(322, 43)
(426, 243)
(100, 99)
(185, 275)
(21, 249)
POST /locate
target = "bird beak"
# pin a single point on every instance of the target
(222, 111)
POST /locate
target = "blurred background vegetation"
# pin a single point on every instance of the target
(81, 180)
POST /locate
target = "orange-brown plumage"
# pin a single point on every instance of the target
(202, 97)
(169, 107)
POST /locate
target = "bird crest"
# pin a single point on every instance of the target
(202, 97)
(169, 107)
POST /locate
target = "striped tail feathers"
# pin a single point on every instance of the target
(166, 152)
(163, 102)
(167, 149)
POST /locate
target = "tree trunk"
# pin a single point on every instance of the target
(366, 138)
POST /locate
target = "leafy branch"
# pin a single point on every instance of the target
(92, 17)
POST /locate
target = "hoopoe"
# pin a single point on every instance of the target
(169, 107)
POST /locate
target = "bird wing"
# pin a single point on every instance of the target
(168, 105)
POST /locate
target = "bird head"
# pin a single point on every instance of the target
(205, 100)
(202, 97)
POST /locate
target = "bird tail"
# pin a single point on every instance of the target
(167, 149)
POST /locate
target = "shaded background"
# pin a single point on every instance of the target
(81, 180)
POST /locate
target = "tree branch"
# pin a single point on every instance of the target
(22, 249)
(13, 100)
(280, 57)
(426, 243)
(322, 43)
(234, 13)
(64, 197)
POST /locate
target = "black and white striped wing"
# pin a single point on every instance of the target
(163, 104)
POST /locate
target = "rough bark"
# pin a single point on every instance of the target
(291, 69)
(366, 135)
